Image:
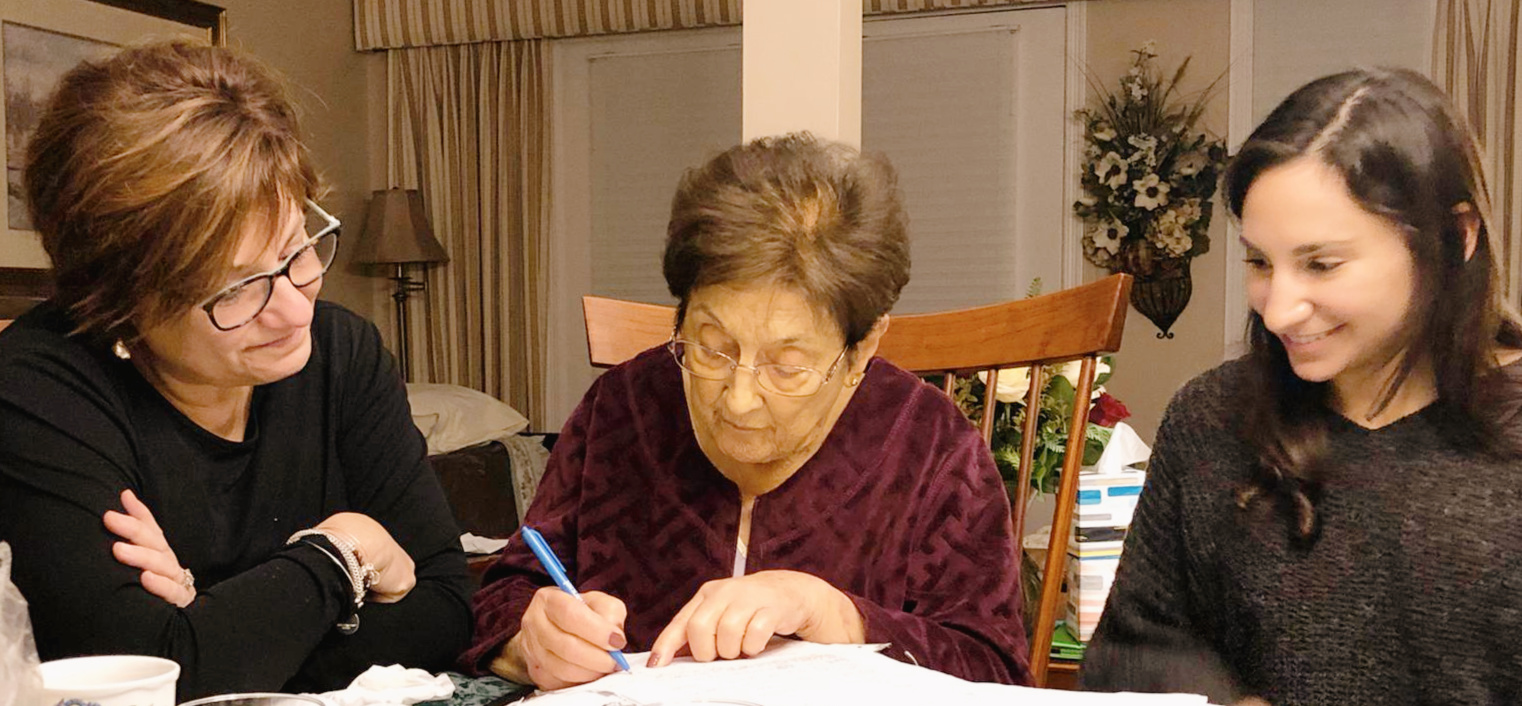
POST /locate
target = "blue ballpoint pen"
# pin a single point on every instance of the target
(556, 570)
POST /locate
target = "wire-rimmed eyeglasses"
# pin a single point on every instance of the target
(706, 363)
(243, 301)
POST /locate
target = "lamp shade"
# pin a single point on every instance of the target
(397, 231)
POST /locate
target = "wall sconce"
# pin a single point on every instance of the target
(397, 233)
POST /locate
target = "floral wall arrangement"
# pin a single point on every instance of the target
(1148, 178)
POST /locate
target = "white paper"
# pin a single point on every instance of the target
(793, 673)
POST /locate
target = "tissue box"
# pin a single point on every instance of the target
(1108, 498)
(1089, 580)
(1106, 503)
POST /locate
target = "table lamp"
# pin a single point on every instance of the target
(397, 233)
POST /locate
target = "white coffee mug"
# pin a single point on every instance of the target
(109, 680)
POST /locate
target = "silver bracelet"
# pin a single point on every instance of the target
(361, 575)
(364, 571)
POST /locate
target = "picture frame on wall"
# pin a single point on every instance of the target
(40, 40)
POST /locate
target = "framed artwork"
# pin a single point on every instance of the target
(40, 40)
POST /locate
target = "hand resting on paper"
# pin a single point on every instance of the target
(563, 642)
(731, 617)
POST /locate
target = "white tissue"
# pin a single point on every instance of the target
(392, 685)
(1124, 449)
(476, 544)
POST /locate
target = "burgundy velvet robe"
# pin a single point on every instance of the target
(901, 508)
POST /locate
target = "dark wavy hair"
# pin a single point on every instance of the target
(798, 211)
(1409, 158)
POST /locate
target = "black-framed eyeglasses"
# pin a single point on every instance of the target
(245, 299)
(706, 363)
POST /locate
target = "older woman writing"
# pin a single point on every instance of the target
(762, 474)
(197, 459)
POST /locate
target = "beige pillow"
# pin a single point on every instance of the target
(453, 417)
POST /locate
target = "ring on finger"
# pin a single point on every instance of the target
(187, 579)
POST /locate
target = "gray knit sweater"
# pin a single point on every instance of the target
(1411, 594)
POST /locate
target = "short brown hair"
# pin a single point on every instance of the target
(814, 215)
(144, 170)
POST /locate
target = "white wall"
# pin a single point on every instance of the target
(1295, 41)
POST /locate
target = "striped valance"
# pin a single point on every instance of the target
(394, 24)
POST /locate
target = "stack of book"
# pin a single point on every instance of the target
(1065, 645)
(1106, 502)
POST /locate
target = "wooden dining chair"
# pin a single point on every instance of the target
(1080, 323)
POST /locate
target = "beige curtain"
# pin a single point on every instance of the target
(1474, 58)
(393, 24)
(469, 128)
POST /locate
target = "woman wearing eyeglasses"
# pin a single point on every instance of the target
(197, 459)
(761, 474)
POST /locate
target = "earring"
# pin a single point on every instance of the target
(120, 350)
(855, 380)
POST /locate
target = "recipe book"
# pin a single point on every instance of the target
(794, 673)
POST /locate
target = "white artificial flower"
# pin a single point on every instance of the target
(1170, 236)
(1187, 211)
(1071, 369)
(1138, 91)
(1191, 163)
(1013, 384)
(1111, 170)
(1149, 47)
(1103, 132)
(1098, 256)
(1146, 149)
(1107, 235)
(1088, 199)
(1151, 192)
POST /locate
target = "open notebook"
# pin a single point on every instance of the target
(792, 673)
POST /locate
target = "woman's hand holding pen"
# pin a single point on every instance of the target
(730, 617)
(563, 642)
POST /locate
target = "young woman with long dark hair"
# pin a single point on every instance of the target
(1334, 517)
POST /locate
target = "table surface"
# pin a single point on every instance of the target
(495, 691)
(481, 691)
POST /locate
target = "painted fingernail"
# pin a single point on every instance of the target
(617, 640)
(655, 660)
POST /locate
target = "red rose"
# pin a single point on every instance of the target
(1107, 410)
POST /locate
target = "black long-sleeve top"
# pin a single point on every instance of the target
(1412, 594)
(78, 426)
